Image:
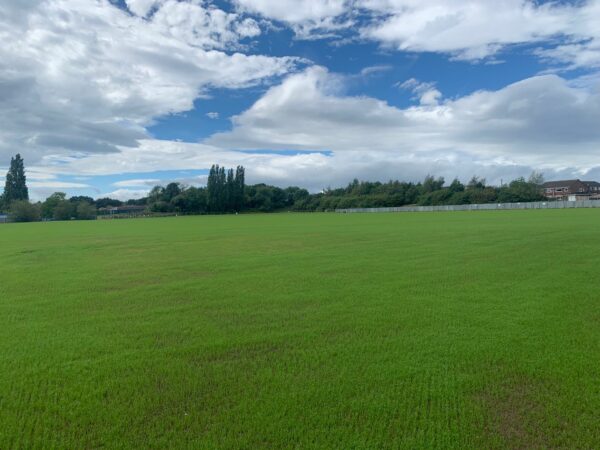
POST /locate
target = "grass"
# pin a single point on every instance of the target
(426, 330)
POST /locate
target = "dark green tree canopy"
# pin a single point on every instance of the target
(58, 207)
(15, 187)
(23, 211)
(225, 189)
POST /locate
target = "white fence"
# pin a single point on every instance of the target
(480, 207)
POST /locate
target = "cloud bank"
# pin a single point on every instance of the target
(537, 121)
(82, 76)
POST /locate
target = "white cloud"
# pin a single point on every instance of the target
(152, 154)
(56, 185)
(314, 171)
(424, 91)
(38, 176)
(430, 97)
(536, 122)
(580, 54)
(308, 18)
(532, 124)
(452, 26)
(137, 183)
(142, 7)
(295, 11)
(466, 29)
(44, 184)
(79, 77)
(212, 115)
(207, 27)
(373, 70)
(472, 29)
(125, 194)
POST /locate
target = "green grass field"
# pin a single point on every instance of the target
(424, 330)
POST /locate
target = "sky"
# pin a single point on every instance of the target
(111, 97)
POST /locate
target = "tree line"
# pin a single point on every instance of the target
(15, 200)
(226, 192)
(431, 191)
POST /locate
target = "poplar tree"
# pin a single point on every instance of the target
(230, 191)
(211, 187)
(225, 189)
(221, 191)
(15, 187)
(240, 183)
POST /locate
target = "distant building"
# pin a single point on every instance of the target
(572, 190)
(122, 211)
(3, 218)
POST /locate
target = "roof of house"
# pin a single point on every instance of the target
(564, 183)
(592, 183)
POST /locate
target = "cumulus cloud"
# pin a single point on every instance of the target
(40, 188)
(207, 27)
(424, 91)
(142, 7)
(535, 122)
(465, 29)
(212, 115)
(532, 124)
(151, 154)
(79, 77)
(312, 170)
(576, 55)
(473, 29)
(295, 11)
(308, 18)
(125, 194)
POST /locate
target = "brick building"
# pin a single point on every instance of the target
(572, 190)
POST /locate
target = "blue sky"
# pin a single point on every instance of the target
(111, 97)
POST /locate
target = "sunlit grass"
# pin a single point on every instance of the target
(442, 330)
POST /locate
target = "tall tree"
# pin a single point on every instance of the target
(171, 191)
(212, 188)
(536, 178)
(225, 189)
(221, 192)
(240, 186)
(430, 184)
(15, 187)
(230, 191)
(51, 203)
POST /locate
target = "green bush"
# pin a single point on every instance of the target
(23, 211)
(86, 211)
